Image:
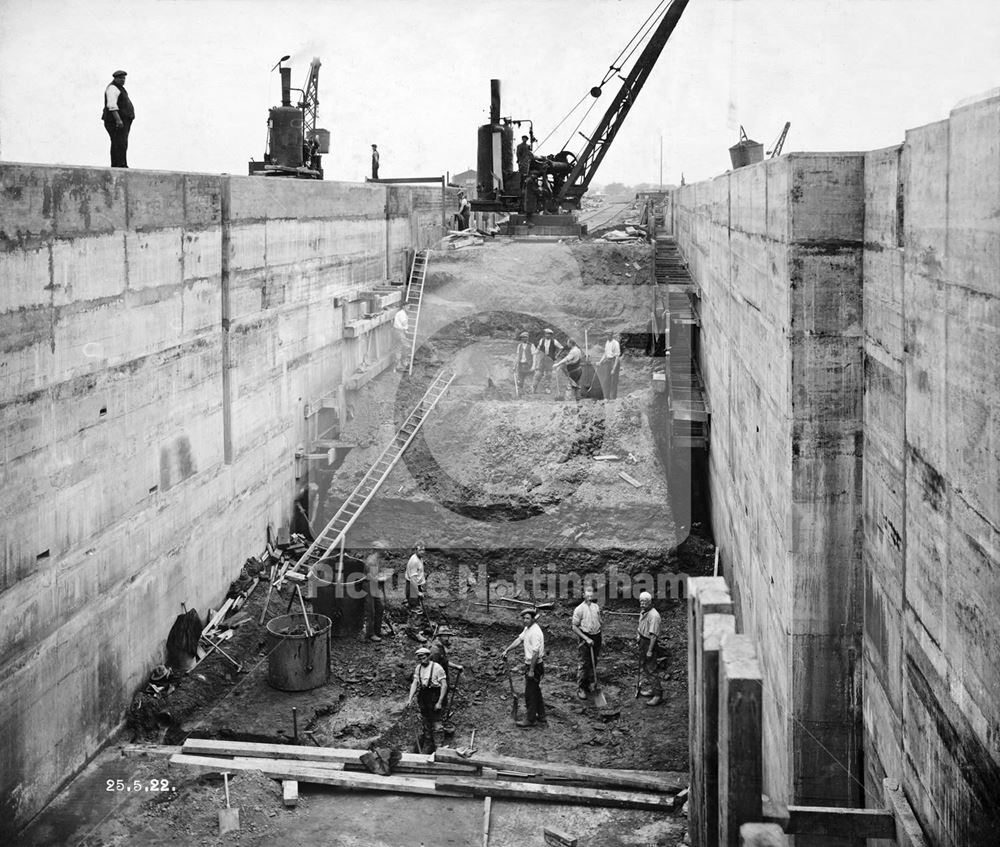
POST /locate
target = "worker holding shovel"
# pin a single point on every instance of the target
(534, 653)
(587, 628)
(430, 685)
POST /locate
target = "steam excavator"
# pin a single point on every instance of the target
(558, 181)
(294, 144)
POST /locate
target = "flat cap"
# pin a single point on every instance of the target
(120, 73)
(422, 651)
(548, 331)
(523, 335)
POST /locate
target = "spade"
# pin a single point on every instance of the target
(229, 818)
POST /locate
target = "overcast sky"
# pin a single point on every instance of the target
(413, 77)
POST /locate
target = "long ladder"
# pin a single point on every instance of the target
(334, 533)
(414, 297)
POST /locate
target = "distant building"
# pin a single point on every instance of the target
(466, 180)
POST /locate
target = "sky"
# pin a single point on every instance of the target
(413, 76)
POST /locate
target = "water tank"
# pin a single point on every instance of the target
(484, 163)
(286, 136)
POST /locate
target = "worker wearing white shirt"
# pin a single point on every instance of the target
(399, 326)
(610, 365)
(587, 628)
(430, 685)
(647, 637)
(547, 350)
(534, 654)
(572, 362)
(415, 581)
(524, 362)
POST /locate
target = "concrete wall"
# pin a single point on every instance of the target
(850, 337)
(775, 250)
(932, 473)
(161, 334)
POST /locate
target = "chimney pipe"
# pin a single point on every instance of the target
(286, 86)
(494, 101)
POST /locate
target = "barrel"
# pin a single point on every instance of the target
(297, 661)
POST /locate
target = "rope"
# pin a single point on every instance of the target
(570, 112)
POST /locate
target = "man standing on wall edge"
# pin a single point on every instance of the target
(118, 115)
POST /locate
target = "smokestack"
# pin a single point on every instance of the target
(286, 86)
(494, 101)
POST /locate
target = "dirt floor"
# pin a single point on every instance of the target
(497, 486)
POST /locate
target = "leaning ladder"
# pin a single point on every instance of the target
(414, 297)
(334, 533)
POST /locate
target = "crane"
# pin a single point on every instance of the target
(561, 180)
(294, 143)
(578, 182)
(780, 143)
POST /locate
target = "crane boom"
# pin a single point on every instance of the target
(597, 145)
(310, 99)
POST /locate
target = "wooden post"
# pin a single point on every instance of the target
(740, 755)
(762, 835)
(714, 628)
(696, 803)
(908, 831)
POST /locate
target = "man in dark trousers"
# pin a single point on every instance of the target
(534, 669)
(118, 115)
(374, 604)
(375, 158)
(548, 348)
(430, 687)
(524, 157)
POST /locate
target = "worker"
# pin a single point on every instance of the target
(464, 210)
(647, 638)
(305, 511)
(524, 157)
(375, 159)
(534, 655)
(118, 114)
(610, 365)
(572, 361)
(430, 684)
(374, 582)
(587, 628)
(439, 645)
(399, 326)
(524, 361)
(548, 348)
(415, 582)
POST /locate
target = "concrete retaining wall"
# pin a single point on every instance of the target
(932, 473)
(775, 250)
(850, 338)
(161, 334)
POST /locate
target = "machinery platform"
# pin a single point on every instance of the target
(560, 226)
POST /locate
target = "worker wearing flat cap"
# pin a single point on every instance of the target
(374, 583)
(524, 362)
(430, 685)
(118, 114)
(647, 636)
(548, 349)
(534, 669)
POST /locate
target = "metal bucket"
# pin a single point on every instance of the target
(296, 661)
(745, 153)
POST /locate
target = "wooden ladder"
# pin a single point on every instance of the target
(334, 533)
(414, 297)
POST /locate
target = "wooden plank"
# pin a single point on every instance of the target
(326, 775)
(631, 480)
(290, 793)
(834, 820)
(740, 756)
(908, 831)
(358, 379)
(410, 762)
(573, 796)
(361, 326)
(558, 838)
(666, 782)
(487, 807)
(762, 835)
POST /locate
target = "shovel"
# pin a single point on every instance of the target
(229, 818)
(599, 699)
(513, 695)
